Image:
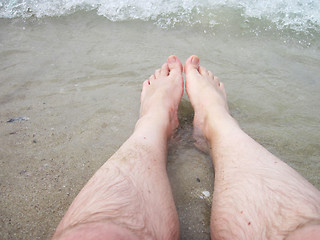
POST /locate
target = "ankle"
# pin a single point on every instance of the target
(158, 119)
(152, 126)
(218, 125)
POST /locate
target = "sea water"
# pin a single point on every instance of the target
(75, 69)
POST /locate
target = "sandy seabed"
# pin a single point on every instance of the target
(77, 80)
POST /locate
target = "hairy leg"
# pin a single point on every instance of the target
(256, 195)
(130, 197)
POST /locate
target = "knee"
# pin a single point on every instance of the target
(97, 231)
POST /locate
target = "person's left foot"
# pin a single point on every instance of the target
(161, 95)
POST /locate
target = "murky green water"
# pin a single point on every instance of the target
(78, 78)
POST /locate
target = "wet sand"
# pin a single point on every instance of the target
(78, 80)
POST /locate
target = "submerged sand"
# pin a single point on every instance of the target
(78, 80)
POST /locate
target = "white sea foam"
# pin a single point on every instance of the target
(301, 15)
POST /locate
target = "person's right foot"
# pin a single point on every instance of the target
(209, 100)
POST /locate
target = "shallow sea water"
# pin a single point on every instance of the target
(78, 79)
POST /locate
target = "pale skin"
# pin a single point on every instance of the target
(256, 195)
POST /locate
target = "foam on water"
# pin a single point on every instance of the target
(299, 15)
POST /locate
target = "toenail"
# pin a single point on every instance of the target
(195, 60)
(172, 59)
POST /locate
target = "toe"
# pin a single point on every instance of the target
(192, 64)
(203, 71)
(216, 80)
(151, 79)
(223, 90)
(211, 75)
(146, 83)
(157, 73)
(164, 70)
(174, 65)
(221, 85)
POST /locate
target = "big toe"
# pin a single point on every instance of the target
(174, 64)
(192, 64)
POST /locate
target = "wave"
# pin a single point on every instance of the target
(298, 15)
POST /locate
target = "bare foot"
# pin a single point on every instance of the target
(161, 95)
(209, 100)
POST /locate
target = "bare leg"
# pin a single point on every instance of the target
(130, 197)
(256, 195)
